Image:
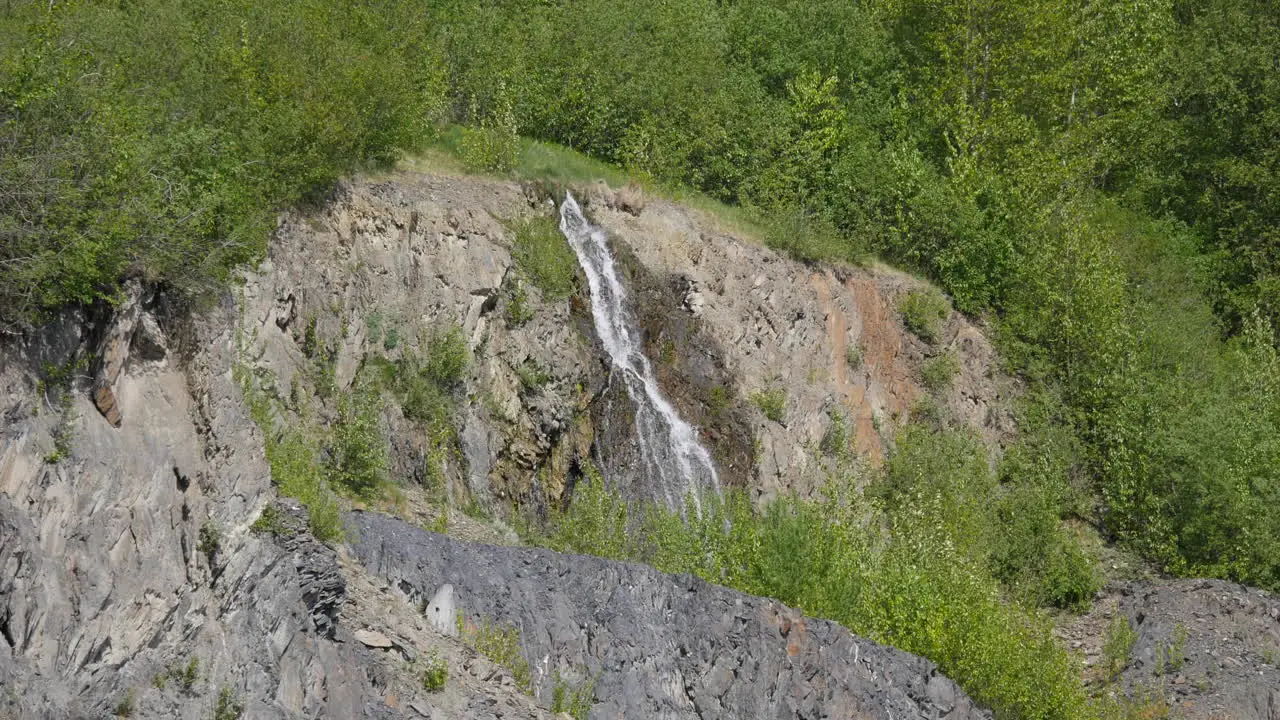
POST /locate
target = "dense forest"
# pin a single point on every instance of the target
(1098, 179)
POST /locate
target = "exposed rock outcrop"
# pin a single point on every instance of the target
(1202, 648)
(660, 646)
(724, 319)
(130, 572)
(384, 268)
(129, 575)
(112, 351)
(129, 560)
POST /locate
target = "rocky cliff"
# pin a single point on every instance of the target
(133, 471)
(724, 320)
(149, 567)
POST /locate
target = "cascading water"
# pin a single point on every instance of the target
(675, 461)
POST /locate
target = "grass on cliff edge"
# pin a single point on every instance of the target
(557, 164)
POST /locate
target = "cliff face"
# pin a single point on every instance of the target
(724, 320)
(133, 469)
(129, 561)
(734, 315)
(148, 567)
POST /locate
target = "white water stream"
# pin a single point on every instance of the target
(675, 461)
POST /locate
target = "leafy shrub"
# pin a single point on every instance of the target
(1171, 655)
(228, 706)
(269, 522)
(189, 673)
(772, 402)
(542, 254)
(297, 472)
(718, 401)
(143, 153)
(494, 146)
(57, 381)
(518, 310)
(923, 312)
(294, 456)
(434, 673)
(359, 455)
(1041, 559)
(440, 524)
(427, 390)
(597, 519)
(64, 432)
(532, 378)
(124, 708)
(447, 356)
(939, 372)
(809, 237)
(835, 441)
(914, 588)
(931, 470)
(373, 322)
(421, 397)
(667, 352)
(1118, 645)
(310, 341)
(1012, 528)
(853, 356)
(499, 643)
(210, 540)
(476, 510)
(575, 702)
(184, 675)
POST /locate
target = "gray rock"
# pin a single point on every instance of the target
(373, 639)
(442, 612)
(102, 585)
(1212, 646)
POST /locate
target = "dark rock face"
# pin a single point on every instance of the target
(319, 579)
(661, 646)
(617, 450)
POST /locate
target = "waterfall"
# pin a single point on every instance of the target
(674, 459)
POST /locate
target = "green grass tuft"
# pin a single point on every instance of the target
(434, 673)
(1118, 647)
(124, 708)
(938, 373)
(923, 312)
(542, 254)
(573, 701)
(772, 402)
(501, 644)
(228, 706)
